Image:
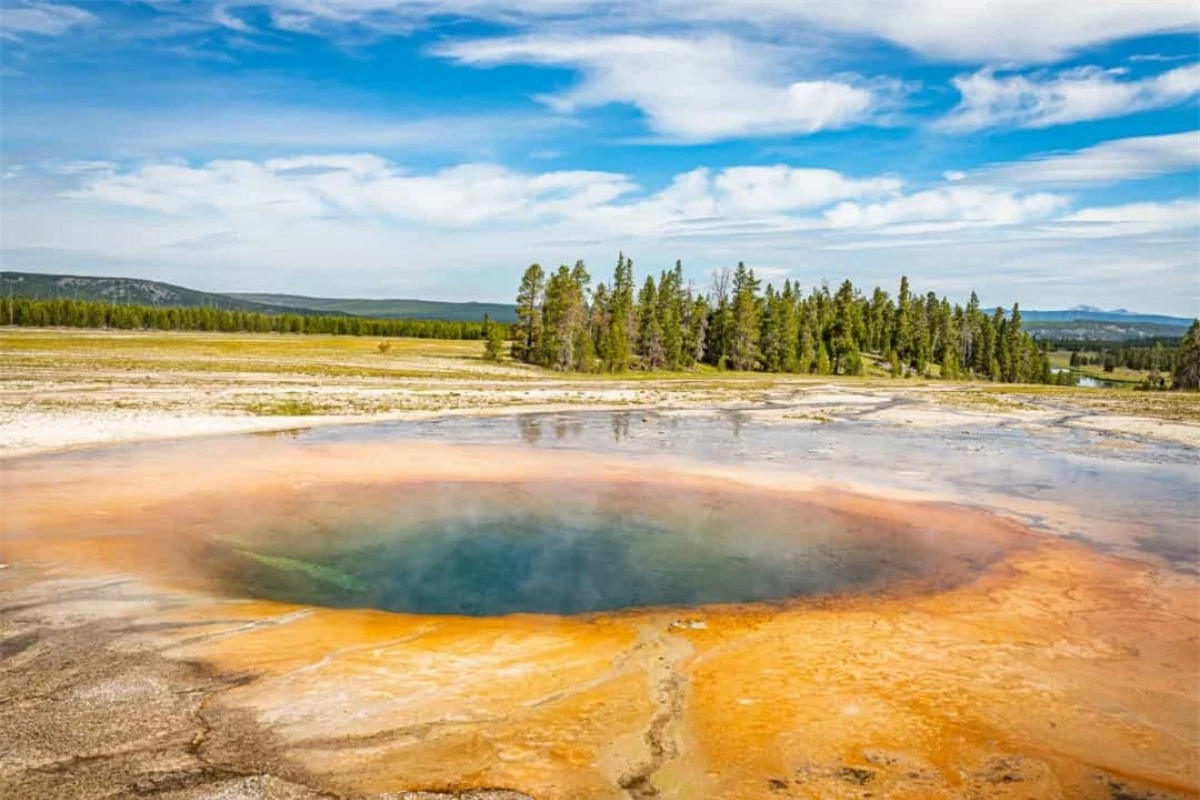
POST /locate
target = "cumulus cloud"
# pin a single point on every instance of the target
(349, 223)
(1043, 99)
(701, 202)
(781, 188)
(1109, 162)
(947, 208)
(365, 186)
(694, 90)
(42, 19)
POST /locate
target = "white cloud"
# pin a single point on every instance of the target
(363, 186)
(359, 223)
(1043, 99)
(42, 19)
(224, 18)
(1134, 219)
(946, 208)
(735, 201)
(975, 31)
(1108, 162)
(694, 90)
(971, 31)
(783, 188)
(367, 185)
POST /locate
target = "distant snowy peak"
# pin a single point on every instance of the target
(1099, 310)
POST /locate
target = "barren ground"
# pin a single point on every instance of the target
(61, 389)
(1064, 670)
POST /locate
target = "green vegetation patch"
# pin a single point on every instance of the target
(318, 572)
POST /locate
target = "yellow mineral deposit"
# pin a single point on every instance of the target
(1017, 665)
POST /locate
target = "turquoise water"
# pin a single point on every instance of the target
(557, 548)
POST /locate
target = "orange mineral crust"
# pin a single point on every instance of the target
(971, 658)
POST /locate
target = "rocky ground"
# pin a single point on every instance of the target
(1063, 671)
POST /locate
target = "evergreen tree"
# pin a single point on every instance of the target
(720, 326)
(620, 318)
(743, 343)
(529, 313)
(600, 324)
(671, 312)
(902, 339)
(493, 349)
(698, 329)
(583, 349)
(1186, 374)
(822, 366)
(650, 334)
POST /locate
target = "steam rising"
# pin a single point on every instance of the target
(486, 531)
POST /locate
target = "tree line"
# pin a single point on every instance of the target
(27, 311)
(565, 324)
(1141, 358)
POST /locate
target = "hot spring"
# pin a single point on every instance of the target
(433, 533)
(562, 547)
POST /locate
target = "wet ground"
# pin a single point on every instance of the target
(856, 608)
(1112, 490)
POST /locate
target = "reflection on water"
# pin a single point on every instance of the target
(1078, 378)
(620, 426)
(530, 428)
(1119, 488)
(1087, 381)
(1131, 495)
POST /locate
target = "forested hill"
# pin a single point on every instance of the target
(155, 294)
(131, 291)
(1090, 324)
(389, 309)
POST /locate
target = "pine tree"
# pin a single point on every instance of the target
(1186, 374)
(650, 334)
(822, 366)
(1016, 368)
(902, 340)
(529, 313)
(743, 350)
(599, 324)
(789, 328)
(493, 349)
(583, 346)
(720, 324)
(698, 329)
(620, 318)
(734, 325)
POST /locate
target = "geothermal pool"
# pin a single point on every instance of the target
(544, 546)
(604, 606)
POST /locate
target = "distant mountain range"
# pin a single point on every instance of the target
(1080, 322)
(1091, 324)
(128, 291)
(1093, 314)
(388, 309)
(136, 291)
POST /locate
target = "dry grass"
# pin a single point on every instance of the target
(302, 375)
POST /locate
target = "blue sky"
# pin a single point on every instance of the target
(1042, 152)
